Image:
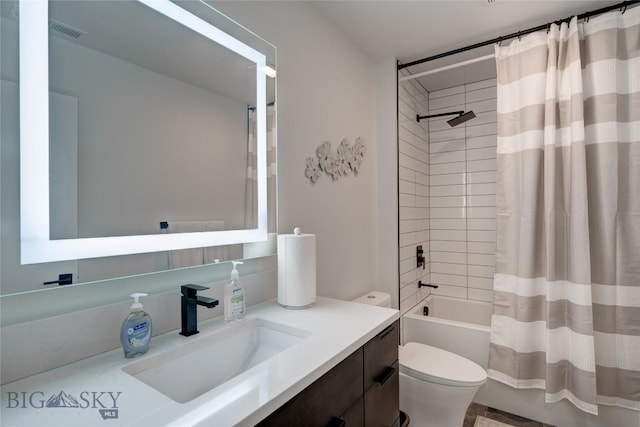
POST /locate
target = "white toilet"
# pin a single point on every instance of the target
(436, 386)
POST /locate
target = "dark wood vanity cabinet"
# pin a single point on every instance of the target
(325, 401)
(381, 379)
(362, 390)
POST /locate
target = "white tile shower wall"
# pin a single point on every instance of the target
(413, 191)
(462, 192)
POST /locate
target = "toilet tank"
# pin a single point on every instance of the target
(381, 299)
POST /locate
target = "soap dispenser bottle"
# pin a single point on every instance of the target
(135, 332)
(234, 303)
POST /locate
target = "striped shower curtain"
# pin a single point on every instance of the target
(567, 285)
(251, 184)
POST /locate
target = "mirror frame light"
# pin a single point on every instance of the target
(36, 243)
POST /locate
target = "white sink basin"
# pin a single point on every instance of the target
(205, 362)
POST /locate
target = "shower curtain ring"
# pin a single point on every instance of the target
(624, 9)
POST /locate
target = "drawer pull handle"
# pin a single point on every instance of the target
(336, 422)
(384, 376)
(386, 331)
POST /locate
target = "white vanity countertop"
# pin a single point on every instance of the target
(337, 328)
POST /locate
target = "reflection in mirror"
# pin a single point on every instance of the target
(155, 131)
(185, 127)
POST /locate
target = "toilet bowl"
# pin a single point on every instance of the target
(436, 386)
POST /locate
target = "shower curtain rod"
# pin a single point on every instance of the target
(447, 67)
(623, 6)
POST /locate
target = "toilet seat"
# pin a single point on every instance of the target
(433, 364)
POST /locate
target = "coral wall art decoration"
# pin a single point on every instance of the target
(345, 160)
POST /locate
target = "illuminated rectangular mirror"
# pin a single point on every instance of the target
(37, 243)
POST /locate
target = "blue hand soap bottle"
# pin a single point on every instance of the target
(135, 332)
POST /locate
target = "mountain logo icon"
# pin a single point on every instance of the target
(62, 400)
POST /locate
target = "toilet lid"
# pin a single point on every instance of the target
(439, 366)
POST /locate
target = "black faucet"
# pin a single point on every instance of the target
(190, 302)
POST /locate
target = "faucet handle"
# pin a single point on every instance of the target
(191, 290)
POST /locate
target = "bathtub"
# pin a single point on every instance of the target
(453, 324)
(464, 327)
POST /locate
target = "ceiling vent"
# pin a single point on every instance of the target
(12, 11)
(65, 29)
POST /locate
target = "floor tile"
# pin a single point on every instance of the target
(515, 420)
(473, 411)
(476, 409)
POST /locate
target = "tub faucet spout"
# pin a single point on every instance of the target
(428, 285)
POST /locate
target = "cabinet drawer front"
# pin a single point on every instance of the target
(326, 399)
(354, 417)
(380, 353)
(382, 401)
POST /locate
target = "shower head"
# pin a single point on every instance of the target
(462, 117)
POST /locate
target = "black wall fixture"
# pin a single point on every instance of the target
(462, 117)
(426, 285)
(420, 257)
(63, 279)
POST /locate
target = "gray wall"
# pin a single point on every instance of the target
(326, 92)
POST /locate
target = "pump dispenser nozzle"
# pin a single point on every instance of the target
(136, 303)
(234, 273)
